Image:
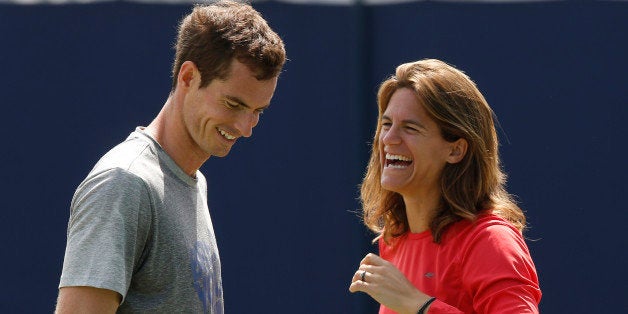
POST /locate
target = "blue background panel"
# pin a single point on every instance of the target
(77, 79)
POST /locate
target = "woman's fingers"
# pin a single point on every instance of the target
(368, 274)
(383, 282)
(373, 259)
(358, 285)
(363, 281)
(363, 274)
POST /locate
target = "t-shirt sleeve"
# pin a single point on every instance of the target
(497, 270)
(107, 231)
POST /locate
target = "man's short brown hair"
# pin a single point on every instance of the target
(214, 34)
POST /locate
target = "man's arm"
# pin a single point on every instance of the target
(87, 300)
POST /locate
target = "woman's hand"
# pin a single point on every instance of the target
(387, 285)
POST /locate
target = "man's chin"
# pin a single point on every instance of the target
(222, 152)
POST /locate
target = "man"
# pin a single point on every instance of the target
(140, 238)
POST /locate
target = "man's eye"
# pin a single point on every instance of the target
(231, 105)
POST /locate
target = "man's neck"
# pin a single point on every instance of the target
(170, 132)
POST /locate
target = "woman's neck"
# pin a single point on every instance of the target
(421, 209)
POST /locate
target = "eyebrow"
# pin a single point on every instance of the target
(407, 121)
(242, 103)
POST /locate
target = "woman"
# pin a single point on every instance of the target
(450, 236)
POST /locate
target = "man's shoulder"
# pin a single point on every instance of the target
(135, 155)
(130, 170)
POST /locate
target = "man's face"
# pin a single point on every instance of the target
(215, 116)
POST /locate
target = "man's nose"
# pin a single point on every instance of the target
(246, 122)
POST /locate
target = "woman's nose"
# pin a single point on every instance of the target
(390, 136)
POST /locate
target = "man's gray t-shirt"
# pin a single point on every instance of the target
(140, 226)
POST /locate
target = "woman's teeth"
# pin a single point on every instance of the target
(397, 161)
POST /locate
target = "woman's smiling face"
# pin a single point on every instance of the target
(412, 150)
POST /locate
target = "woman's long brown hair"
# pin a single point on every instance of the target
(474, 184)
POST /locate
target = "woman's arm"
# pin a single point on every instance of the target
(497, 269)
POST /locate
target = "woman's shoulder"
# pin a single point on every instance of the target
(486, 227)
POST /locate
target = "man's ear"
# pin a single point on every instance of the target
(188, 75)
(458, 151)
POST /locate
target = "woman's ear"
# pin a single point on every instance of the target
(458, 151)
